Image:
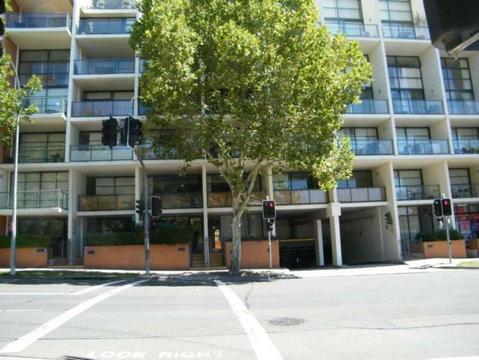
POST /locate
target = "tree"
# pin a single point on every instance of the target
(249, 85)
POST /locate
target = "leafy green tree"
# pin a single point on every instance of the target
(248, 85)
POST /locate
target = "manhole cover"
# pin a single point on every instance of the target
(286, 321)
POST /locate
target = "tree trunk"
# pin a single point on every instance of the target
(236, 255)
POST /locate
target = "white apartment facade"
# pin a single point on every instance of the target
(415, 134)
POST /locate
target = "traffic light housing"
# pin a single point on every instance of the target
(140, 207)
(438, 208)
(156, 206)
(131, 133)
(388, 218)
(109, 132)
(269, 210)
(446, 207)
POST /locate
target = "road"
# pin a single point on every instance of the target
(424, 314)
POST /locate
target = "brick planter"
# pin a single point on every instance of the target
(254, 254)
(474, 244)
(132, 257)
(28, 257)
(439, 249)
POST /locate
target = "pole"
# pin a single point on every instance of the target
(449, 250)
(269, 250)
(146, 220)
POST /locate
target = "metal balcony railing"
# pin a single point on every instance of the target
(299, 197)
(37, 20)
(105, 26)
(465, 190)
(427, 107)
(423, 147)
(369, 106)
(466, 146)
(96, 108)
(400, 31)
(111, 5)
(463, 107)
(104, 66)
(368, 194)
(85, 153)
(106, 202)
(417, 192)
(47, 105)
(224, 199)
(352, 29)
(41, 199)
(372, 147)
(42, 152)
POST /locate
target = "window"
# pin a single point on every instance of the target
(216, 183)
(108, 95)
(359, 179)
(414, 220)
(396, 11)
(294, 181)
(465, 133)
(413, 133)
(342, 10)
(175, 184)
(457, 79)
(459, 176)
(35, 181)
(105, 225)
(111, 186)
(467, 220)
(48, 147)
(360, 134)
(90, 138)
(405, 78)
(407, 178)
(52, 66)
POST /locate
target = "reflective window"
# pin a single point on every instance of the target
(457, 79)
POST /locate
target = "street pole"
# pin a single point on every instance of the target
(269, 250)
(449, 250)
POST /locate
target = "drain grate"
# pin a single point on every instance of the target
(286, 321)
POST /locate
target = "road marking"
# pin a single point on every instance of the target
(20, 310)
(257, 336)
(25, 341)
(96, 287)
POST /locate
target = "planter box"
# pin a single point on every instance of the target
(254, 254)
(132, 257)
(29, 257)
(474, 244)
(438, 249)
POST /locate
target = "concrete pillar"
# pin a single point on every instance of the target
(334, 212)
(206, 237)
(318, 234)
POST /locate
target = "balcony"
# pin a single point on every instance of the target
(47, 105)
(410, 32)
(300, 197)
(192, 200)
(466, 146)
(98, 108)
(423, 147)
(461, 191)
(423, 107)
(369, 106)
(417, 192)
(224, 199)
(106, 202)
(372, 147)
(85, 153)
(113, 26)
(148, 152)
(459, 107)
(352, 29)
(40, 199)
(37, 20)
(104, 66)
(111, 5)
(353, 195)
(42, 152)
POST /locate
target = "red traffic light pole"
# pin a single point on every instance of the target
(447, 217)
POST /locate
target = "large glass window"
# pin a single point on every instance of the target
(413, 133)
(405, 77)
(111, 186)
(52, 66)
(457, 79)
(35, 181)
(108, 95)
(396, 11)
(46, 147)
(465, 133)
(414, 220)
(360, 134)
(342, 10)
(407, 178)
(251, 227)
(359, 179)
(294, 181)
(105, 225)
(467, 220)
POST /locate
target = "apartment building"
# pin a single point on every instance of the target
(415, 135)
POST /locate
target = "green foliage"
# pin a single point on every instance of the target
(11, 100)
(440, 235)
(24, 241)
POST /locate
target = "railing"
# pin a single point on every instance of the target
(298, 197)
(429, 107)
(105, 26)
(372, 147)
(104, 66)
(417, 192)
(49, 78)
(400, 31)
(148, 152)
(42, 152)
(47, 105)
(369, 194)
(465, 190)
(369, 106)
(106, 202)
(84, 153)
(40, 199)
(37, 20)
(353, 29)
(95, 108)
(466, 146)
(224, 199)
(423, 147)
(111, 5)
(191, 200)
(466, 107)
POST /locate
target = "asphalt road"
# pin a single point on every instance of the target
(427, 314)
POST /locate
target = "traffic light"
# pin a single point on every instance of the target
(269, 225)
(446, 207)
(109, 132)
(438, 208)
(140, 207)
(156, 205)
(131, 132)
(269, 210)
(388, 218)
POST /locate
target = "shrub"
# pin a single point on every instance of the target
(440, 235)
(24, 241)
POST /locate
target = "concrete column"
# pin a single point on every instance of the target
(334, 212)
(318, 234)
(206, 237)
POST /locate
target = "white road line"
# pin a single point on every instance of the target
(20, 310)
(25, 341)
(96, 287)
(257, 336)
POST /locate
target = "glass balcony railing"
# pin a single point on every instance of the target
(105, 26)
(95, 108)
(84, 153)
(191, 200)
(106, 202)
(417, 192)
(39, 199)
(224, 199)
(38, 20)
(352, 29)
(111, 5)
(369, 106)
(427, 107)
(466, 146)
(460, 107)
(361, 194)
(42, 152)
(104, 66)
(50, 78)
(147, 152)
(423, 147)
(465, 190)
(47, 105)
(372, 147)
(300, 197)
(400, 31)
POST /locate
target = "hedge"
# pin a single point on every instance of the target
(440, 235)
(24, 241)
